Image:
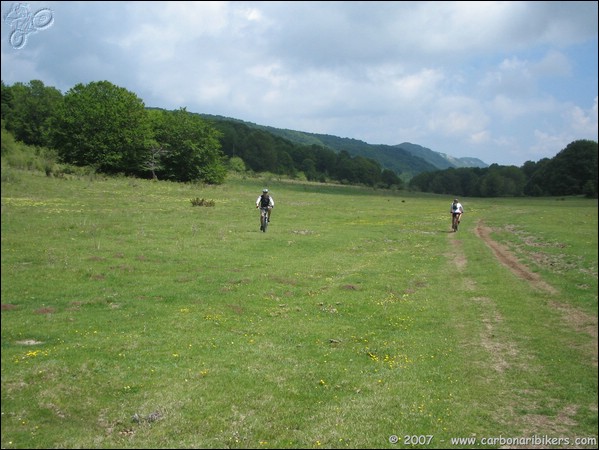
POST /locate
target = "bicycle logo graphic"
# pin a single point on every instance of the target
(24, 22)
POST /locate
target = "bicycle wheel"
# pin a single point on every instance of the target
(43, 19)
(264, 221)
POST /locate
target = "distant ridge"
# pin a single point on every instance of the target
(407, 159)
(389, 156)
(441, 160)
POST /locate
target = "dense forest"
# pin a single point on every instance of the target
(573, 171)
(109, 129)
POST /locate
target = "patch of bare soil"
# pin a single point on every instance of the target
(582, 323)
(8, 307)
(459, 258)
(504, 353)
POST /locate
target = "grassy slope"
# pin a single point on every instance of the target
(355, 317)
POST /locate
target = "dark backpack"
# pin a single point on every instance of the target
(265, 201)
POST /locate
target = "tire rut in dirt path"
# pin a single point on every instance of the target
(505, 257)
(506, 354)
(578, 320)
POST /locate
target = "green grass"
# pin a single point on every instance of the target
(357, 316)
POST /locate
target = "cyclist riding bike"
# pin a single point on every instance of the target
(456, 211)
(265, 201)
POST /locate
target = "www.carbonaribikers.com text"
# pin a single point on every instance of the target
(544, 441)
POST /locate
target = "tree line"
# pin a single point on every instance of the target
(573, 171)
(262, 151)
(109, 128)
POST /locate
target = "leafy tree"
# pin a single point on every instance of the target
(422, 182)
(446, 182)
(29, 110)
(285, 163)
(345, 170)
(192, 148)
(390, 178)
(231, 136)
(325, 159)
(572, 168)
(368, 171)
(469, 181)
(589, 189)
(529, 168)
(7, 99)
(491, 185)
(260, 152)
(308, 167)
(513, 180)
(103, 126)
(236, 164)
(534, 172)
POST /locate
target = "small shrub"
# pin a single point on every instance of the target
(201, 202)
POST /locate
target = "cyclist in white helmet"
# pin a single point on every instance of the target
(265, 200)
(456, 210)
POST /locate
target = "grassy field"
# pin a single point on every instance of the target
(133, 319)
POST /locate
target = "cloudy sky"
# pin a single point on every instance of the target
(505, 82)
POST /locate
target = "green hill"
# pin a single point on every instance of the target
(406, 159)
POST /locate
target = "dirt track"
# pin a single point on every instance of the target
(505, 257)
(579, 320)
(507, 353)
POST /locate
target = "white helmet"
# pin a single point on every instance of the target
(264, 191)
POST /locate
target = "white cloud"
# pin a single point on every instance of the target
(547, 145)
(476, 77)
(554, 63)
(458, 116)
(583, 122)
(514, 108)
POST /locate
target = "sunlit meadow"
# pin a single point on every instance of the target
(134, 317)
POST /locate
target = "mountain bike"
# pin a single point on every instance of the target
(263, 219)
(24, 23)
(455, 221)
